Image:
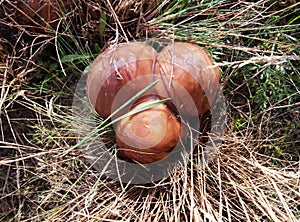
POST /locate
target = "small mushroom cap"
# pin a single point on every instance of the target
(150, 135)
(115, 67)
(191, 67)
(41, 12)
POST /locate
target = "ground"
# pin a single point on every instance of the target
(253, 175)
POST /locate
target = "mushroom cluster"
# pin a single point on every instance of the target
(184, 74)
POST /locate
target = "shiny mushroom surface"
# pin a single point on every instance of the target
(113, 69)
(190, 66)
(150, 135)
(183, 70)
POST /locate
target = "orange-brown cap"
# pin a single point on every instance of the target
(150, 135)
(190, 66)
(114, 68)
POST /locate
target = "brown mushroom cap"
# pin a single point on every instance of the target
(115, 67)
(41, 12)
(150, 135)
(189, 66)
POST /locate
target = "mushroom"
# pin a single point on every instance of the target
(150, 135)
(114, 68)
(40, 13)
(191, 67)
(122, 71)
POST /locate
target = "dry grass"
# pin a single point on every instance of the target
(255, 175)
